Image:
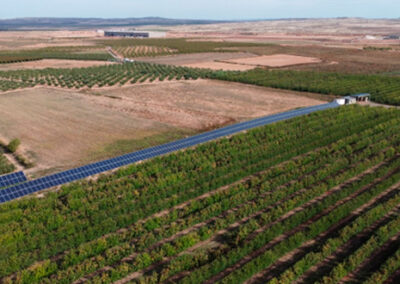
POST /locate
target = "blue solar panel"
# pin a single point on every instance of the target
(11, 179)
(102, 166)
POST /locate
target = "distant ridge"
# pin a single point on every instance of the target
(81, 23)
(49, 23)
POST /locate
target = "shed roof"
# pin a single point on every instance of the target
(363, 95)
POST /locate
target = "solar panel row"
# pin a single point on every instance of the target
(11, 179)
(103, 166)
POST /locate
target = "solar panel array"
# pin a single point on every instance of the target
(11, 179)
(46, 182)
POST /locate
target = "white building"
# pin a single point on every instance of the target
(134, 34)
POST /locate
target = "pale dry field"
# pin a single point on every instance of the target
(195, 58)
(60, 129)
(18, 40)
(63, 129)
(53, 63)
(213, 65)
(200, 104)
(350, 32)
(276, 60)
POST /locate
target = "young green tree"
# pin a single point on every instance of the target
(13, 145)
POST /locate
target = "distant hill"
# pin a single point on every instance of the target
(81, 23)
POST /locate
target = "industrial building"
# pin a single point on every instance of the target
(134, 34)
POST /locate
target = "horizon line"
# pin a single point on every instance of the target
(200, 19)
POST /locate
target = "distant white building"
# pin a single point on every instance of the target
(134, 34)
(370, 37)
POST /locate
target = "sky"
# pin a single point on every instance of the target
(201, 9)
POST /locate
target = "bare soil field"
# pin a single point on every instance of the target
(201, 104)
(195, 58)
(53, 63)
(213, 65)
(277, 60)
(352, 58)
(336, 59)
(62, 129)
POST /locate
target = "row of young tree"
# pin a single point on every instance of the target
(66, 52)
(383, 89)
(99, 76)
(264, 243)
(386, 270)
(374, 243)
(247, 199)
(74, 219)
(179, 45)
(142, 51)
(335, 242)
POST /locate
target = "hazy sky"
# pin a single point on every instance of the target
(201, 9)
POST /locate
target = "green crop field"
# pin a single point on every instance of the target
(142, 50)
(135, 47)
(96, 76)
(125, 47)
(269, 205)
(70, 52)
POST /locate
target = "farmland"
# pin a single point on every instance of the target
(129, 48)
(384, 89)
(53, 63)
(277, 60)
(309, 199)
(69, 52)
(134, 47)
(99, 76)
(132, 51)
(288, 194)
(56, 121)
(205, 60)
(63, 121)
